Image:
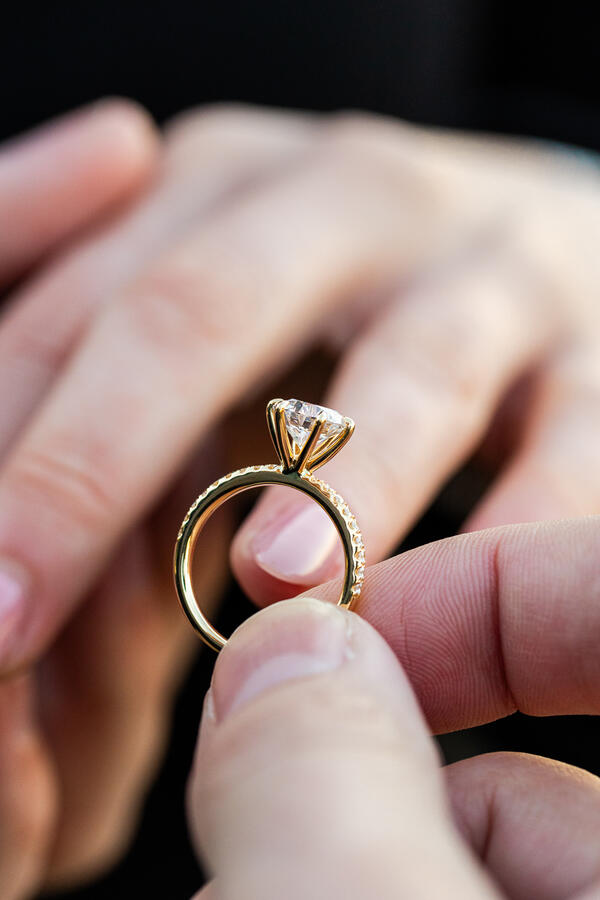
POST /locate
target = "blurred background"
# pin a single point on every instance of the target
(523, 68)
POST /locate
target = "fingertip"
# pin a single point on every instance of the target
(307, 636)
(289, 640)
(127, 110)
(283, 548)
(128, 135)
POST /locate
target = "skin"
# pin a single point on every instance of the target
(159, 289)
(315, 775)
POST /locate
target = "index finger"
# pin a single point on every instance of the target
(494, 621)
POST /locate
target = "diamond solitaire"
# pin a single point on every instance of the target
(300, 418)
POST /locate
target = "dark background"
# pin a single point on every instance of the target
(524, 68)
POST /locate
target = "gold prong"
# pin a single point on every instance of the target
(303, 458)
(285, 453)
(332, 446)
(272, 425)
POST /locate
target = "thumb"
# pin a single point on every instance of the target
(315, 776)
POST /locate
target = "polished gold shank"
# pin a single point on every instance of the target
(290, 474)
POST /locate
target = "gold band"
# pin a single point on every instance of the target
(293, 471)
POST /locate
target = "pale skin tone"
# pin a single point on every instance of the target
(164, 282)
(315, 775)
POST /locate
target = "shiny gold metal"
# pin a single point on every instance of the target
(294, 470)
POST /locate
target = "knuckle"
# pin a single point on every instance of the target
(445, 368)
(443, 355)
(350, 124)
(212, 120)
(163, 303)
(73, 486)
(391, 152)
(353, 142)
(209, 296)
(364, 127)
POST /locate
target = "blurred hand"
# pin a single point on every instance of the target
(441, 268)
(315, 775)
(57, 183)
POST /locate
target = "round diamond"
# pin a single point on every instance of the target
(300, 418)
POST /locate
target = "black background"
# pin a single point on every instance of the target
(528, 68)
(521, 67)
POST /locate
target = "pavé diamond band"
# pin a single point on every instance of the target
(305, 437)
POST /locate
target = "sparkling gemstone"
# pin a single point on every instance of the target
(300, 418)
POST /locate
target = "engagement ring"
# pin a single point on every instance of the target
(305, 437)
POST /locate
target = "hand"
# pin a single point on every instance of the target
(315, 775)
(64, 179)
(259, 236)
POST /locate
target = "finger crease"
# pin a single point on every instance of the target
(496, 604)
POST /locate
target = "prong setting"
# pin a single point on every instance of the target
(303, 458)
(308, 446)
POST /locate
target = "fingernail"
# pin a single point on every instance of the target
(290, 640)
(14, 584)
(302, 548)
